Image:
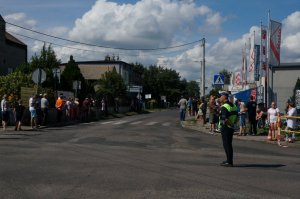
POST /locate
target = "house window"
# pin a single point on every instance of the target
(10, 70)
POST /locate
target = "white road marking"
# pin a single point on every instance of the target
(120, 122)
(151, 123)
(137, 122)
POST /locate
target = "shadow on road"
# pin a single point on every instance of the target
(259, 165)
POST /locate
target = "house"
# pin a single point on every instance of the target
(13, 52)
(284, 80)
(93, 70)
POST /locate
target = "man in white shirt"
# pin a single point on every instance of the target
(182, 106)
(44, 107)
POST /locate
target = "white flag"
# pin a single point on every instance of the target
(263, 50)
(251, 59)
(275, 40)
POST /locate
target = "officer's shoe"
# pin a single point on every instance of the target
(226, 164)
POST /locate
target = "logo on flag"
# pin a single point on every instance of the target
(275, 40)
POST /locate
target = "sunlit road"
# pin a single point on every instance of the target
(144, 156)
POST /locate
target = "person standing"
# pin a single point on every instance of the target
(204, 109)
(251, 109)
(44, 107)
(86, 109)
(5, 111)
(59, 105)
(242, 117)
(190, 104)
(32, 109)
(273, 114)
(228, 118)
(195, 106)
(291, 121)
(212, 113)
(19, 112)
(182, 106)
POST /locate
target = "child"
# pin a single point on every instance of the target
(19, 111)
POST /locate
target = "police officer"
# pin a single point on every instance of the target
(228, 118)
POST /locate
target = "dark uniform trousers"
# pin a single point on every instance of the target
(227, 134)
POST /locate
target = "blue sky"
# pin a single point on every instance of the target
(226, 25)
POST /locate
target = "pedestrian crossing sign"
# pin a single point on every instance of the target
(219, 80)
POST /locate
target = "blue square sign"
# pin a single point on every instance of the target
(219, 80)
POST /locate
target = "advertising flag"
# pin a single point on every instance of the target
(257, 63)
(237, 76)
(252, 54)
(244, 68)
(275, 40)
(263, 51)
(251, 67)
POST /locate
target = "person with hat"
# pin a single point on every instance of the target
(228, 118)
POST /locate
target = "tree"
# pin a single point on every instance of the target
(297, 87)
(159, 81)
(46, 60)
(11, 85)
(111, 86)
(70, 74)
(193, 88)
(227, 76)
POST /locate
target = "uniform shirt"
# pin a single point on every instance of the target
(225, 114)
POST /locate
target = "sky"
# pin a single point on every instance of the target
(126, 28)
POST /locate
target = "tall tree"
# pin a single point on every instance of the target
(193, 88)
(70, 74)
(111, 86)
(46, 60)
(297, 87)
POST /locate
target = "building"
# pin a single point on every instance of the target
(13, 52)
(93, 70)
(284, 80)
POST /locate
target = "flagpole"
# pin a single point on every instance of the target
(268, 63)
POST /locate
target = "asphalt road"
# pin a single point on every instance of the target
(143, 156)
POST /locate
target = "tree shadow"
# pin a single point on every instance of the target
(259, 165)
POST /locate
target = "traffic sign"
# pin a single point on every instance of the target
(38, 76)
(219, 80)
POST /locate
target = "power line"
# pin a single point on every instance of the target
(107, 47)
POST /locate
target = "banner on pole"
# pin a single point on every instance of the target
(257, 63)
(237, 77)
(275, 40)
(263, 50)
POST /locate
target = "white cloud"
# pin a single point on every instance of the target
(19, 19)
(146, 24)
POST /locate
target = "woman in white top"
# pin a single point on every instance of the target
(273, 114)
(291, 119)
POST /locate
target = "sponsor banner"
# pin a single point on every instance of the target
(257, 63)
(263, 52)
(237, 78)
(275, 40)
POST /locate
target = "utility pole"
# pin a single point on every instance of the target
(203, 69)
